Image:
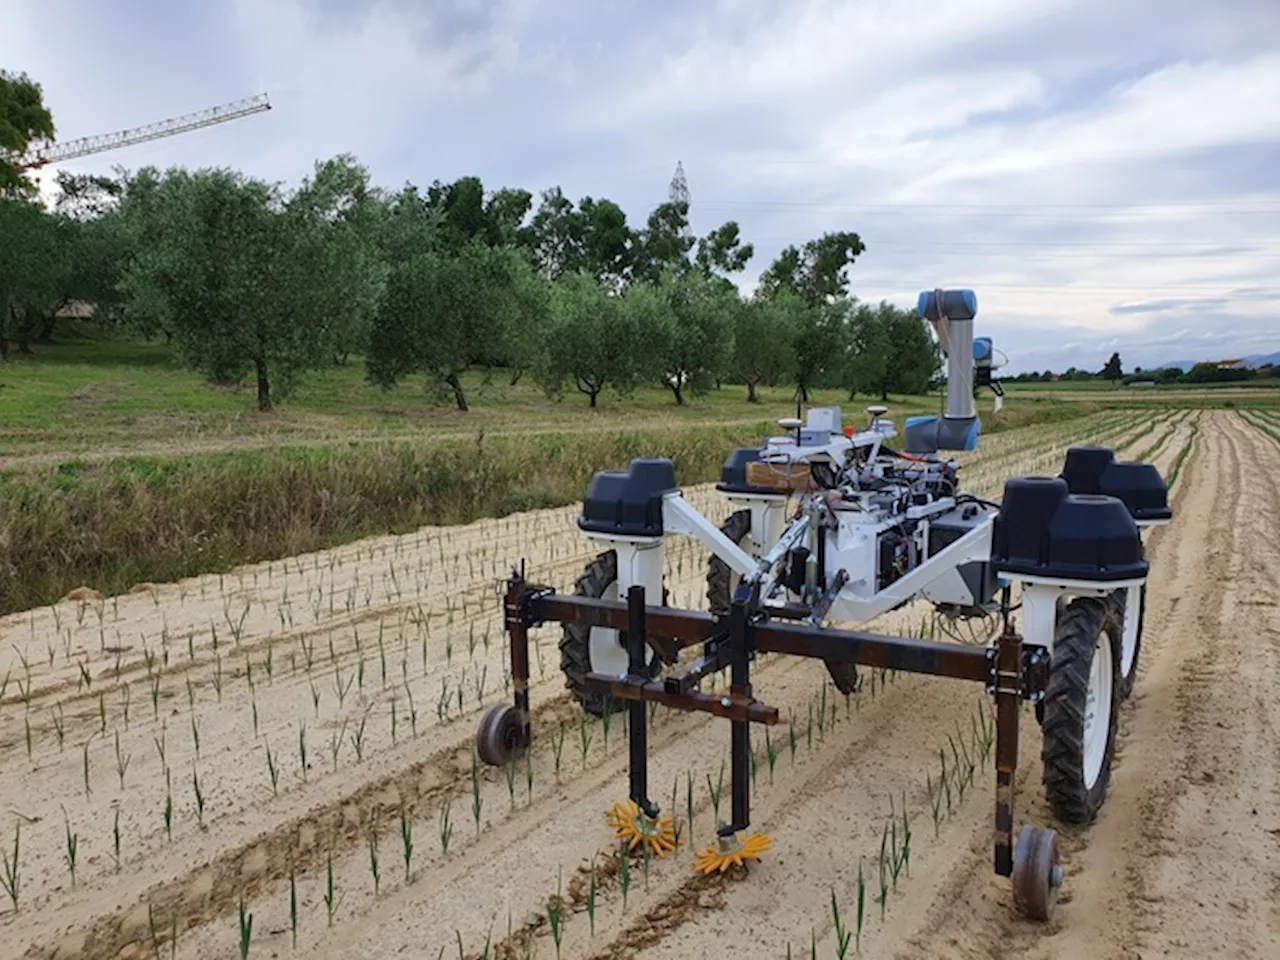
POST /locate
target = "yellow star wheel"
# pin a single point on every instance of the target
(633, 825)
(730, 851)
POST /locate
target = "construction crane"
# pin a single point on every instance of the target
(49, 152)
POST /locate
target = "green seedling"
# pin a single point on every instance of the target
(476, 801)
(406, 844)
(168, 805)
(557, 745)
(688, 798)
(246, 930)
(591, 897)
(716, 789)
(59, 725)
(584, 739)
(606, 721)
(293, 907)
(71, 847)
(624, 873)
(10, 868)
(115, 839)
(771, 753)
(273, 771)
(195, 786)
(510, 771)
(152, 932)
(374, 865)
(843, 936)
(330, 893)
(357, 738)
(122, 761)
(555, 916)
(862, 905)
(84, 752)
(446, 828)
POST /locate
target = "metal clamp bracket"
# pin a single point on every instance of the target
(525, 613)
(1030, 682)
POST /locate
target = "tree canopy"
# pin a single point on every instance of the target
(23, 119)
(254, 282)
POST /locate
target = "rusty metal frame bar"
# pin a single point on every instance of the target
(1011, 671)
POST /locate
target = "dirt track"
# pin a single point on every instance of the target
(1185, 860)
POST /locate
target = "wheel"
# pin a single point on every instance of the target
(1080, 707)
(1128, 608)
(721, 580)
(1037, 872)
(499, 739)
(585, 649)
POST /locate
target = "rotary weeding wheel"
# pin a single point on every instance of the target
(1037, 872)
(499, 739)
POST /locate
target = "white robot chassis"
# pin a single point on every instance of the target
(835, 526)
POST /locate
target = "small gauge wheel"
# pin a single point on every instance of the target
(1037, 872)
(499, 740)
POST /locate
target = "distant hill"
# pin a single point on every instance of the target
(1253, 360)
(1261, 360)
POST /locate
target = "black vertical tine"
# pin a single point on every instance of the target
(638, 733)
(740, 737)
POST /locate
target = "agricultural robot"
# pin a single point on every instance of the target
(832, 525)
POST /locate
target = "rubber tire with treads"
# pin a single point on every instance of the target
(1116, 603)
(1076, 636)
(575, 641)
(737, 527)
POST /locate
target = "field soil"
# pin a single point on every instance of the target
(293, 741)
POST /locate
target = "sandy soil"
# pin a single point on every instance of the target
(362, 653)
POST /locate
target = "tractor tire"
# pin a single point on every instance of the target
(1117, 605)
(575, 643)
(1081, 706)
(719, 576)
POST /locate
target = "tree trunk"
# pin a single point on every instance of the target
(264, 387)
(802, 391)
(515, 377)
(751, 392)
(884, 392)
(46, 329)
(29, 325)
(679, 395)
(453, 381)
(591, 398)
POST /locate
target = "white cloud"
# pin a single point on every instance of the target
(1104, 174)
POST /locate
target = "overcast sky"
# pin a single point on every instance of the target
(1104, 173)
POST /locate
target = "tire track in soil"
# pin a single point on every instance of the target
(1185, 857)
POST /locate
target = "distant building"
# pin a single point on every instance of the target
(1228, 364)
(76, 310)
(1142, 384)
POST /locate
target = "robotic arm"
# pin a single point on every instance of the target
(951, 314)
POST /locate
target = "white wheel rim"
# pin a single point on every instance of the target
(1097, 710)
(608, 655)
(1129, 644)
